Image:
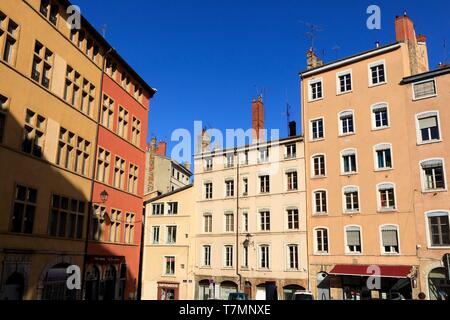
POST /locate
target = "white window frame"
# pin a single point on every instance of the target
(347, 251)
(341, 127)
(313, 174)
(422, 176)
(286, 210)
(424, 97)
(269, 264)
(203, 259)
(287, 173)
(165, 274)
(207, 214)
(310, 83)
(375, 157)
(226, 194)
(369, 71)
(204, 191)
(314, 202)
(344, 201)
(311, 129)
(427, 227)
(245, 221)
(288, 257)
(343, 173)
(379, 208)
(338, 82)
(153, 234)
(173, 227)
(372, 115)
(380, 230)
(225, 222)
(419, 133)
(225, 256)
(259, 217)
(321, 253)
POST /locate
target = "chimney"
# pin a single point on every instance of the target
(417, 48)
(162, 148)
(312, 60)
(257, 119)
(292, 129)
(377, 44)
(187, 165)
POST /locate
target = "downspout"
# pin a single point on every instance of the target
(237, 222)
(141, 254)
(88, 227)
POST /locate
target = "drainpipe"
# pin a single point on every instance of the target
(237, 220)
(141, 254)
(88, 227)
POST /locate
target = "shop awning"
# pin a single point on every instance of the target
(367, 270)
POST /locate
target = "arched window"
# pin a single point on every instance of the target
(433, 175)
(346, 122)
(318, 165)
(321, 240)
(438, 226)
(320, 201)
(386, 196)
(348, 161)
(351, 199)
(380, 116)
(353, 243)
(383, 156)
(428, 127)
(389, 239)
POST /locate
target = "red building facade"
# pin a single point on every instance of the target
(113, 250)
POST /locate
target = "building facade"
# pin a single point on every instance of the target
(50, 93)
(169, 246)
(362, 161)
(251, 217)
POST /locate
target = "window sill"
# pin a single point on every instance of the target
(319, 177)
(434, 191)
(205, 267)
(421, 143)
(346, 174)
(321, 253)
(352, 212)
(389, 254)
(387, 210)
(353, 254)
(343, 135)
(425, 97)
(314, 100)
(384, 169)
(320, 214)
(372, 85)
(169, 276)
(380, 128)
(447, 247)
(316, 140)
(227, 268)
(344, 92)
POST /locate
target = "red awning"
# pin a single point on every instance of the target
(368, 270)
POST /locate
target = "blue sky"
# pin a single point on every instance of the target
(209, 58)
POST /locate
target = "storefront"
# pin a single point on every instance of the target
(168, 290)
(439, 284)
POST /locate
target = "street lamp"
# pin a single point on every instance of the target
(247, 242)
(104, 196)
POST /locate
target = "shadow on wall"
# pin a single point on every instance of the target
(44, 217)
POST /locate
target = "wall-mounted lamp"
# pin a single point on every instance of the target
(104, 196)
(247, 242)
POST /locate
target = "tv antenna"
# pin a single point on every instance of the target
(261, 92)
(104, 30)
(312, 32)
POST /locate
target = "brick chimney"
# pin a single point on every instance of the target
(312, 60)
(417, 47)
(161, 149)
(257, 119)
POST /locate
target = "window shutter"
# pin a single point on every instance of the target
(428, 122)
(431, 164)
(385, 186)
(390, 237)
(353, 238)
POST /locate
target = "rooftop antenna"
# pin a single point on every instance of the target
(104, 30)
(288, 112)
(312, 33)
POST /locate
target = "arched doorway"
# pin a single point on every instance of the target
(289, 290)
(323, 286)
(55, 284)
(204, 292)
(92, 283)
(227, 287)
(110, 283)
(260, 292)
(438, 284)
(14, 287)
(248, 289)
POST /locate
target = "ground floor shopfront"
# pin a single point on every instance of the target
(256, 288)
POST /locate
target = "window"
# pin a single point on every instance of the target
(122, 127)
(291, 180)
(292, 256)
(136, 132)
(317, 131)
(245, 186)
(87, 97)
(98, 223)
(349, 161)
(9, 33)
(119, 172)
(264, 257)
(228, 259)
(377, 73)
(111, 68)
(380, 116)
(320, 201)
(133, 172)
(351, 199)
(433, 175)
(171, 235)
(173, 208)
(33, 136)
(42, 65)
(424, 89)
(428, 124)
(438, 224)
(82, 156)
(81, 38)
(129, 228)
(170, 266)
(208, 190)
(389, 238)
(155, 232)
(263, 155)
(207, 223)
(386, 197)
(293, 219)
(245, 221)
(264, 182)
(25, 200)
(246, 157)
(229, 222)
(344, 82)
(353, 239)
(319, 166)
(291, 151)
(107, 112)
(158, 209)
(245, 257)
(66, 217)
(209, 164)
(206, 256)
(72, 87)
(264, 217)
(321, 235)
(229, 188)
(49, 11)
(315, 90)
(4, 103)
(103, 162)
(114, 225)
(229, 160)
(383, 157)
(125, 81)
(346, 123)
